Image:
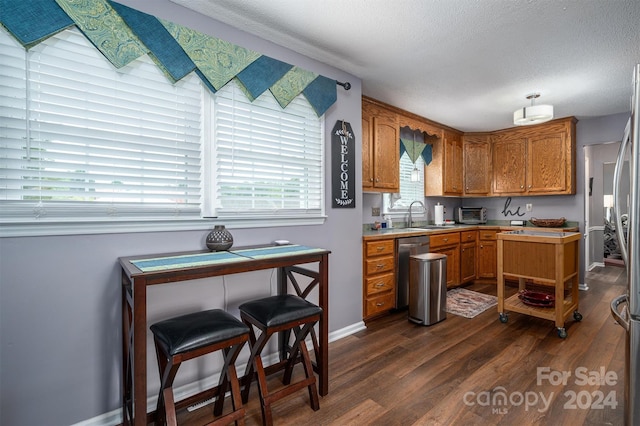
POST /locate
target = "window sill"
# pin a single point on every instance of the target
(41, 229)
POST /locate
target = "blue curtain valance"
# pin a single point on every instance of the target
(414, 143)
(124, 34)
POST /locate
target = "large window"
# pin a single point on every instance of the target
(264, 162)
(82, 142)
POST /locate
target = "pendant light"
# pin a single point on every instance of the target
(415, 173)
(533, 114)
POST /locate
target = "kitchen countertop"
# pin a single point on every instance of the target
(502, 225)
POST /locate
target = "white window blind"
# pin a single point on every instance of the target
(266, 161)
(81, 140)
(410, 191)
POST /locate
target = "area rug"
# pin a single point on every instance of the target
(467, 303)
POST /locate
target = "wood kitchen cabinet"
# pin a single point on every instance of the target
(452, 163)
(379, 279)
(444, 175)
(535, 160)
(468, 250)
(487, 254)
(476, 154)
(380, 149)
(509, 162)
(448, 244)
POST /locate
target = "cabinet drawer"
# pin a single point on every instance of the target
(445, 239)
(468, 236)
(487, 235)
(379, 284)
(379, 304)
(379, 264)
(378, 248)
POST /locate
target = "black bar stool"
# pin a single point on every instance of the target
(190, 336)
(282, 313)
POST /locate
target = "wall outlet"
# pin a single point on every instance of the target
(375, 211)
(529, 207)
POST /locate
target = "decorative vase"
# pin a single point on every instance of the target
(219, 239)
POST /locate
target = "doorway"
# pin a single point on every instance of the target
(600, 241)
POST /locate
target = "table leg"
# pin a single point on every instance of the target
(139, 347)
(500, 279)
(126, 351)
(283, 336)
(323, 358)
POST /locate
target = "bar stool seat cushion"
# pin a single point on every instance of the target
(192, 331)
(281, 309)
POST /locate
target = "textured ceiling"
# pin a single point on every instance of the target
(464, 63)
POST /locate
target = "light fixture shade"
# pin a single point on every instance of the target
(533, 114)
(415, 174)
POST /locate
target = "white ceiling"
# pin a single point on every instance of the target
(464, 63)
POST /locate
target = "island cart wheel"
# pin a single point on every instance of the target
(577, 316)
(562, 333)
(503, 317)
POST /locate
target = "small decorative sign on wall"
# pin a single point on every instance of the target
(343, 166)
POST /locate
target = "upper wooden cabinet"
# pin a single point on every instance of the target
(380, 149)
(452, 163)
(528, 160)
(535, 160)
(509, 161)
(476, 154)
(444, 175)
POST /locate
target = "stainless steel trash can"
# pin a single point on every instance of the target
(427, 288)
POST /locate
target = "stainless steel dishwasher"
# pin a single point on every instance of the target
(405, 248)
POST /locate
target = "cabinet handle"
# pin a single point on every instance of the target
(380, 304)
(521, 186)
(377, 180)
(529, 186)
(481, 246)
(380, 248)
(380, 265)
(445, 240)
(379, 285)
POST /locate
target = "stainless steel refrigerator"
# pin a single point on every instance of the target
(626, 307)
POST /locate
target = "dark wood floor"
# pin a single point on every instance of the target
(398, 373)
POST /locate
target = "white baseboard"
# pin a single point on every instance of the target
(596, 265)
(115, 417)
(346, 331)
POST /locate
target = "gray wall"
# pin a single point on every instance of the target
(60, 339)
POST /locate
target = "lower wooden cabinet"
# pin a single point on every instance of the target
(468, 256)
(487, 254)
(379, 281)
(449, 245)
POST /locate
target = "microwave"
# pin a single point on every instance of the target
(470, 215)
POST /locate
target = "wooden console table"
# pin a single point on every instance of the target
(138, 272)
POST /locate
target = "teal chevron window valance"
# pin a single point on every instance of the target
(123, 34)
(416, 144)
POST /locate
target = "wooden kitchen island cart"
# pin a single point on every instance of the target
(546, 259)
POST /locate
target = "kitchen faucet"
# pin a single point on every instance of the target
(410, 216)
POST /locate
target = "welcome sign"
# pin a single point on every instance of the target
(343, 166)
